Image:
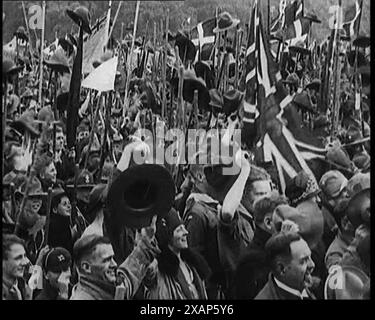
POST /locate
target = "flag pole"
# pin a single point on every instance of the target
(41, 54)
(28, 32)
(128, 72)
(114, 22)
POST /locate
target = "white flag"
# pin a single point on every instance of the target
(103, 77)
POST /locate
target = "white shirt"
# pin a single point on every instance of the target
(294, 292)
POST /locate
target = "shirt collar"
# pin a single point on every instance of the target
(294, 292)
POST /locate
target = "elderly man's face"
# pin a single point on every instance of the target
(297, 272)
(15, 262)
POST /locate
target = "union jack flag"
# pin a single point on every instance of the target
(265, 102)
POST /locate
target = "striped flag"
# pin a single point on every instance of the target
(250, 110)
(351, 26)
(203, 37)
(276, 141)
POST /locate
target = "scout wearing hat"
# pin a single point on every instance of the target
(225, 22)
(81, 16)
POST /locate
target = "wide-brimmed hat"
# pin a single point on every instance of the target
(232, 101)
(58, 61)
(292, 79)
(21, 34)
(225, 22)
(302, 100)
(81, 16)
(354, 137)
(10, 69)
(362, 41)
(186, 48)
(35, 189)
(192, 83)
(314, 85)
(85, 180)
(299, 49)
(139, 193)
(346, 282)
(25, 123)
(312, 17)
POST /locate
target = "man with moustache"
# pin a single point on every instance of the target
(15, 262)
(291, 268)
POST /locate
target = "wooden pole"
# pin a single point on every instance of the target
(129, 60)
(114, 22)
(41, 54)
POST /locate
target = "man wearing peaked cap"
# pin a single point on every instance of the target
(56, 266)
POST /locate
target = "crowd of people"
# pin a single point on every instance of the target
(81, 223)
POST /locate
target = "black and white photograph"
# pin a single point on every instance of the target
(207, 151)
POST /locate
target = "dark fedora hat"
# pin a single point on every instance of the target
(81, 16)
(302, 100)
(21, 33)
(298, 49)
(186, 47)
(25, 123)
(312, 17)
(139, 193)
(58, 62)
(354, 137)
(232, 101)
(314, 85)
(225, 22)
(192, 83)
(362, 41)
(9, 68)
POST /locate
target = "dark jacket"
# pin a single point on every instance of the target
(170, 283)
(48, 292)
(60, 234)
(10, 294)
(272, 292)
(252, 271)
(221, 244)
(65, 167)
